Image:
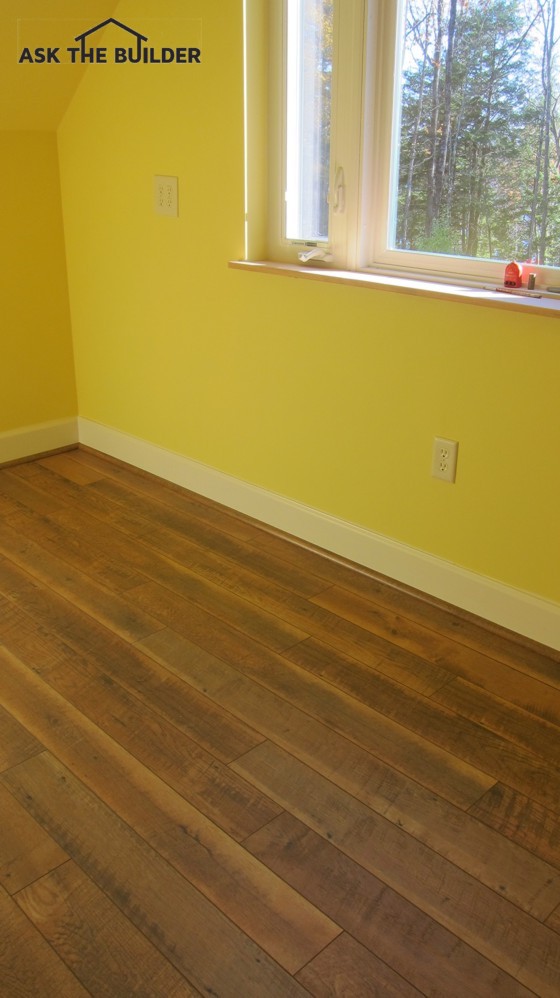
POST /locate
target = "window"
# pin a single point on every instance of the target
(416, 135)
(309, 62)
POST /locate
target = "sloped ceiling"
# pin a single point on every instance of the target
(35, 97)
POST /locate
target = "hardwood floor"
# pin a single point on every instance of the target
(232, 766)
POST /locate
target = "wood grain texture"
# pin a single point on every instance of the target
(98, 602)
(539, 693)
(16, 743)
(129, 718)
(522, 820)
(423, 639)
(28, 965)
(431, 819)
(519, 944)
(104, 950)
(233, 766)
(186, 928)
(421, 950)
(275, 916)
(443, 772)
(500, 755)
(346, 968)
(26, 851)
(526, 730)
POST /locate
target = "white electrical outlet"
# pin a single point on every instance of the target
(444, 459)
(166, 196)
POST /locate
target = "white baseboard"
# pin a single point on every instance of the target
(514, 609)
(15, 445)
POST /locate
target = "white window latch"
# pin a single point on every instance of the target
(315, 254)
(337, 199)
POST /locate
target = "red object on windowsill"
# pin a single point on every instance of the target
(512, 276)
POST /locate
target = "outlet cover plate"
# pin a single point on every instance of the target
(444, 459)
(166, 196)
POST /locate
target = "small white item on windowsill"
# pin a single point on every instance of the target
(314, 254)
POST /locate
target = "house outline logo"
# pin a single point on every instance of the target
(110, 20)
(139, 53)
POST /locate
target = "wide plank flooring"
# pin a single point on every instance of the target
(233, 766)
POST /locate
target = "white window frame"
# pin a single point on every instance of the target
(364, 124)
(345, 136)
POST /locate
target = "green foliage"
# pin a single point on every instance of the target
(479, 152)
(442, 239)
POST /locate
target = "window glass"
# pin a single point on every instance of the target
(477, 149)
(309, 66)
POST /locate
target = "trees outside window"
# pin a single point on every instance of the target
(309, 33)
(479, 152)
(419, 135)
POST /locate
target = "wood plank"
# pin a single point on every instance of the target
(44, 624)
(460, 626)
(346, 968)
(49, 611)
(26, 851)
(498, 754)
(526, 691)
(216, 528)
(206, 556)
(433, 767)
(423, 952)
(69, 493)
(14, 620)
(74, 497)
(186, 710)
(28, 965)
(217, 622)
(8, 507)
(188, 570)
(70, 469)
(415, 637)
(16, 744)
(402, 801)
(107, 954)
(302, 614)
(194, 772)
(516, 942)
(281, 922)
(553, 921)
(310, 619)
(268, 597)
(332, 570)
(236, 612)
(520, 819)
(406, 711)
(23, 495)
(144, 484)
(288, 725)
(55, 613)
(205, 551)
(129, 666)
(115, 574)
(91, 677)
(432, 820)
(112, 570)
(525, 729)
(104, 606)
(26, 469)
(186, 928)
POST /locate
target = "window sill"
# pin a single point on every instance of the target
(409, 286)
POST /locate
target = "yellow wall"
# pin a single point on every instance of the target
(33, 97)
(325, 394)
(36, 368)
